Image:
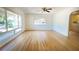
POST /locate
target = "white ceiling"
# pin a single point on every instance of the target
(38, 10)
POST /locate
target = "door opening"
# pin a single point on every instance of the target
(74, 23)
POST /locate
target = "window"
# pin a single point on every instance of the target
(12, 21)
(10, 24)
(40, 22)
(2, 21)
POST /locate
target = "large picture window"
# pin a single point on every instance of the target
(10, 24)
(12, 21)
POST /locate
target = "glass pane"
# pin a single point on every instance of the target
(12, 21)
(2, 21)
(19, 24)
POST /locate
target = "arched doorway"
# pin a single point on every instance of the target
(74, 22)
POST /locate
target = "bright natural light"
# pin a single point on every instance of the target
(10, 23)
(40, 22)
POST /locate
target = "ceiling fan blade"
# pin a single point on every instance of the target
(46, 9)
(50, 9)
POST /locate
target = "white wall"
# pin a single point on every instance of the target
(61, 20)
(30, 22)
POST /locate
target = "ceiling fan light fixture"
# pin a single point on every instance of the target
(45, 9)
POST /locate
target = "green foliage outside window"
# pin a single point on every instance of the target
(2, 20)
(10, 23)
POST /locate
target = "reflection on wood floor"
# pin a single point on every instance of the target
(43, 41)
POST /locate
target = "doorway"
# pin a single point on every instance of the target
(74, 23)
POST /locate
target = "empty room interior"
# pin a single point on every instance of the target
(39, 28)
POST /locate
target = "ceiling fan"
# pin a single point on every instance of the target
(45, 9)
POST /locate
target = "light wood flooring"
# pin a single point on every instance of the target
(43, 41)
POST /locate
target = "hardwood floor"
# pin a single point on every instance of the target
(43, 41)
